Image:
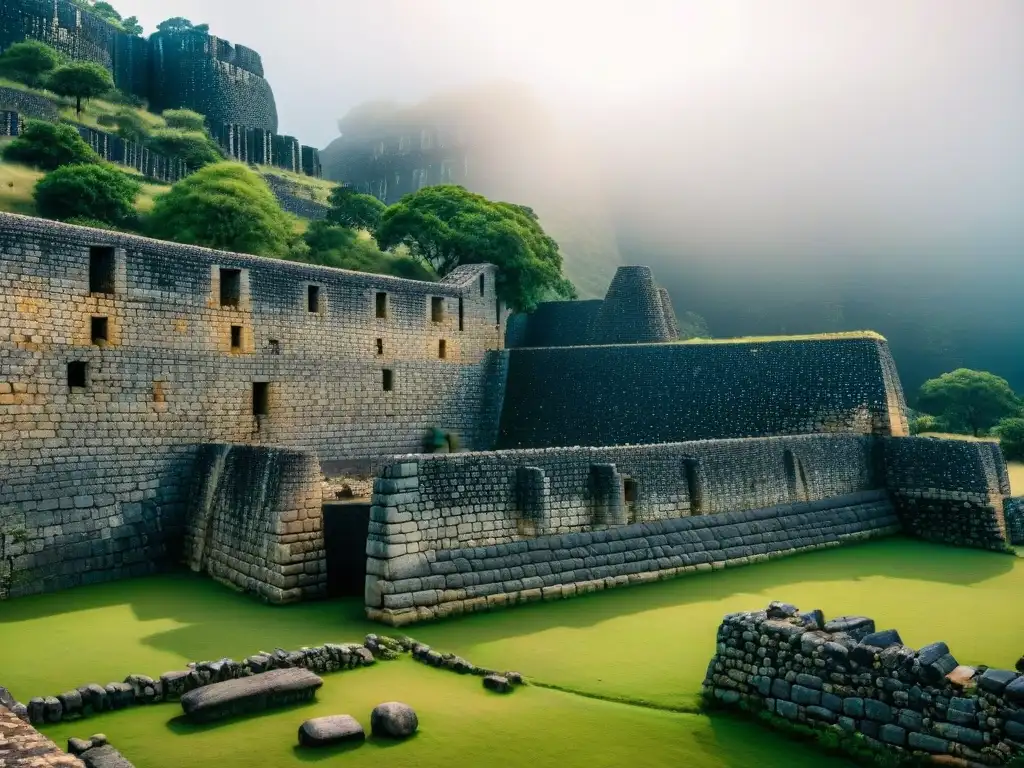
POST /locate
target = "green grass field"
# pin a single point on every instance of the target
(646, 644)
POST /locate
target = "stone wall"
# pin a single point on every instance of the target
(115, 149)
(663, 393)
(190, 346)
(28, 104)
(448, 532)
(254, 521)
(10, 123)
(22, 746)
(295, 200)
(1013, 513)
(844, 675)
(949, 491)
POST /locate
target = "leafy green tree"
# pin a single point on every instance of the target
(98, 192)
(29, 62)
(331, 245)
(967, 400)
(132, 26)
(48, 146)
(224, 206)
(175, 25)
(196, 149)
(107, 12)
(447, 226)
(81, 80)
(1011, 437)
(354, 210)
(184, 120)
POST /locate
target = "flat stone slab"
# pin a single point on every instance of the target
(250, 694)
(333, 729)
(104, 757)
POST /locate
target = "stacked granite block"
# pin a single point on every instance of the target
(846, 676)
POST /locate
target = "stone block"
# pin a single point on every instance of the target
(853, 707)
(892, 734)
(878, 711)
(996, 680)
(787, 709)
(928, 743)
(806, 696)
(332, 729)
(277, 687)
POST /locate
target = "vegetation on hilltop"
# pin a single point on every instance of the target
(968, 401)
(48, 146)
(80, 80)
(30, 62)
(92, 192)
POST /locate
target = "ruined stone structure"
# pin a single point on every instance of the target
(163, 403)
(191, 69)
(845, 676)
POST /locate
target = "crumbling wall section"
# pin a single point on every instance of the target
(845, 676)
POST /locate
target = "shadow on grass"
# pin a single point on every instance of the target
(736, 739)
(182, 726)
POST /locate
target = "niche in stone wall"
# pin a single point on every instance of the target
(101, 269)
(380, 347)
(313, 298)
(99, 331)
(796, 476)
(381, 305)
(260, 399)
(230, 287)
(436, 309)
(483, 284)
(388, 380)
(694, 489)
(236, 338)
(462, 315)
(78, 374)
(629, 496)
(442, 349)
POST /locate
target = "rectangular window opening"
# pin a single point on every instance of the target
(497, 311)
(275, 346)
(101, 269)
(313, 298)
(382, 305)
(436, 309)
(483, 284)
(98, 328)
(442, 349)
(388, 380)
(462, 315)
(691, 467)
(380, 346)
(78, 374)
(629, 493)
(230, 287)
(236, 338)
(260, 398)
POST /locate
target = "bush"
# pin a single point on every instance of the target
(96, 192)
(1011, 438)
(29, 62)
(184, 120)
(224, 206)
(48, 146)
(334, 246)
(922, 423)
(130, 125)
(196, 149)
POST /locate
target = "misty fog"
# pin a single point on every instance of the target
(797, 165)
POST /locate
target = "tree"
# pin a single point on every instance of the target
(968, 400)
(224, 206)
(175, 25)
(82, 80)
(98, 192)
(333, 246)
(184, 120)
(48, 146)
(196, 149)
(29, 62)
(107, 12)
(131, 26)
(447, 226)
(354, 210)
(1011, 438)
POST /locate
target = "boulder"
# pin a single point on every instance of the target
(498, 684)
(104, 756)
(78, 746)
(393, 720)
(6, 698)
(250, 694)
(333, 729)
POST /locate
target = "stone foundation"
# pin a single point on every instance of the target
(22, 746)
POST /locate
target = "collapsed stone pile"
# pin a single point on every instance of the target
(846, 676)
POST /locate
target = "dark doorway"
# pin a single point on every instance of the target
(345, 528)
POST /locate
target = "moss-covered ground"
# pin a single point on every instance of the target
(641, 646)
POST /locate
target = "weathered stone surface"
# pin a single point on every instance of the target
(883, 639)
(104, 756)
(332, 729)
(996, 680)
(250, 694)
(497, 683)
(394, 720)
(22, 746)
(857, 627)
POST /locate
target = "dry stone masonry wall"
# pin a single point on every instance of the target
(846, 676)
(660, 393)
(107, 389)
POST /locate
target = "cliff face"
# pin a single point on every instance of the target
(497, 141)
(193, 70)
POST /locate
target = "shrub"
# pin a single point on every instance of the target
(343, 248)
(185, 120)
(196, 149)
(224, 206)
(81, 80)
(48, 146)
(29, 62)
(96, 192)
(922, 423)
(1011, 438)
(130, 125)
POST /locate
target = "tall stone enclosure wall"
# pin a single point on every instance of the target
(255, 521)
(657, 393)
(120, 355)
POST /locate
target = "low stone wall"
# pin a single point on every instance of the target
(10, 123)
(22, 746)
(1013, 513)
(134, 155)
(406, 587)
(255, 521)
(846, 676)
(29, 104)
(287, 195)
(949, 491)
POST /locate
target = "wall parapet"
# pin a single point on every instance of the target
(846, 676)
